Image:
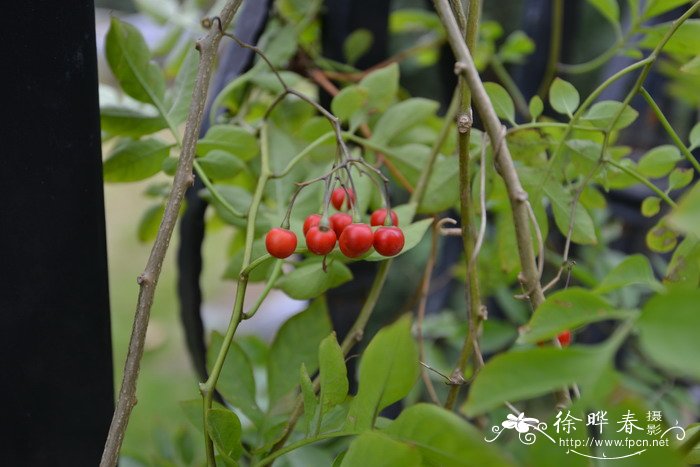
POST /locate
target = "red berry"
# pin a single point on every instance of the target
(312, 220)
(339, 221)
(388, 241)
(338, 198)
(356, 240)
(564, 338)
(379, 217)
(280, 243)
(320, 240)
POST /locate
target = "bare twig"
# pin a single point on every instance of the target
(148, 279)
(504, 162)
(420, 313)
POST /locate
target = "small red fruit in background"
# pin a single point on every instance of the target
(564, 338)
(280, 243)
(356, 240)
(311, 221)
(379, 217)
(320, 240)
(338, 198)
(339, 221)
(388, 241)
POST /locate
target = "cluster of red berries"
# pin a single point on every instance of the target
(353, 239)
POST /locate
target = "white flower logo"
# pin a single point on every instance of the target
(521, 423)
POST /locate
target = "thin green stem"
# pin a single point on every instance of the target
(592, 64)
(274, 275)
(510, 85)
(207, 389)
(422, 183)
(295, 160)
(669, 129)
(214, 192)
(555, 37)
(471, 286)
(357, 330)
(539, 125)
(300, 444)
(641, 178)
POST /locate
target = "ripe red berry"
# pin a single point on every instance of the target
(312, 220)
(280, 243)
(339, 221)
(388, 241)
(379, 217)
(320, 240)
(338, 198)
(564, 338)
(356, 240)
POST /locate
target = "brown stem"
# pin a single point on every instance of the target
(518, 197)
(148, 279)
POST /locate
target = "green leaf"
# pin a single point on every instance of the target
(684, 268)
(563, 97)
(348, 102)
(695, 136)
(686, 216)
(515, 376)
(388, 371)
(309, 396)
(183, 86)
(310, 280)
(568, 309)
(668, 331)
(357, 44)
(501, 100)
(516, 47)
(651, 206)
(659, 161)
(225, 431)
(684, 43)
(334, 378)
(193, 411)
(130, 61)
(236, 196)
(413, 235)
(402, 116)
(149, 223)
(634, 269)
(442, 191)
(382, 86)
(608, 8)
(584, 229)
(236, 382)
(680, 178)
(219, 164)
(232, 139)
(455, 443)
(602, 114)
(408, 20)
(379, 450)
(296, 342)
(123, 121)
(658, 7)
(661, 238)
(536, 107)
(132, 161)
